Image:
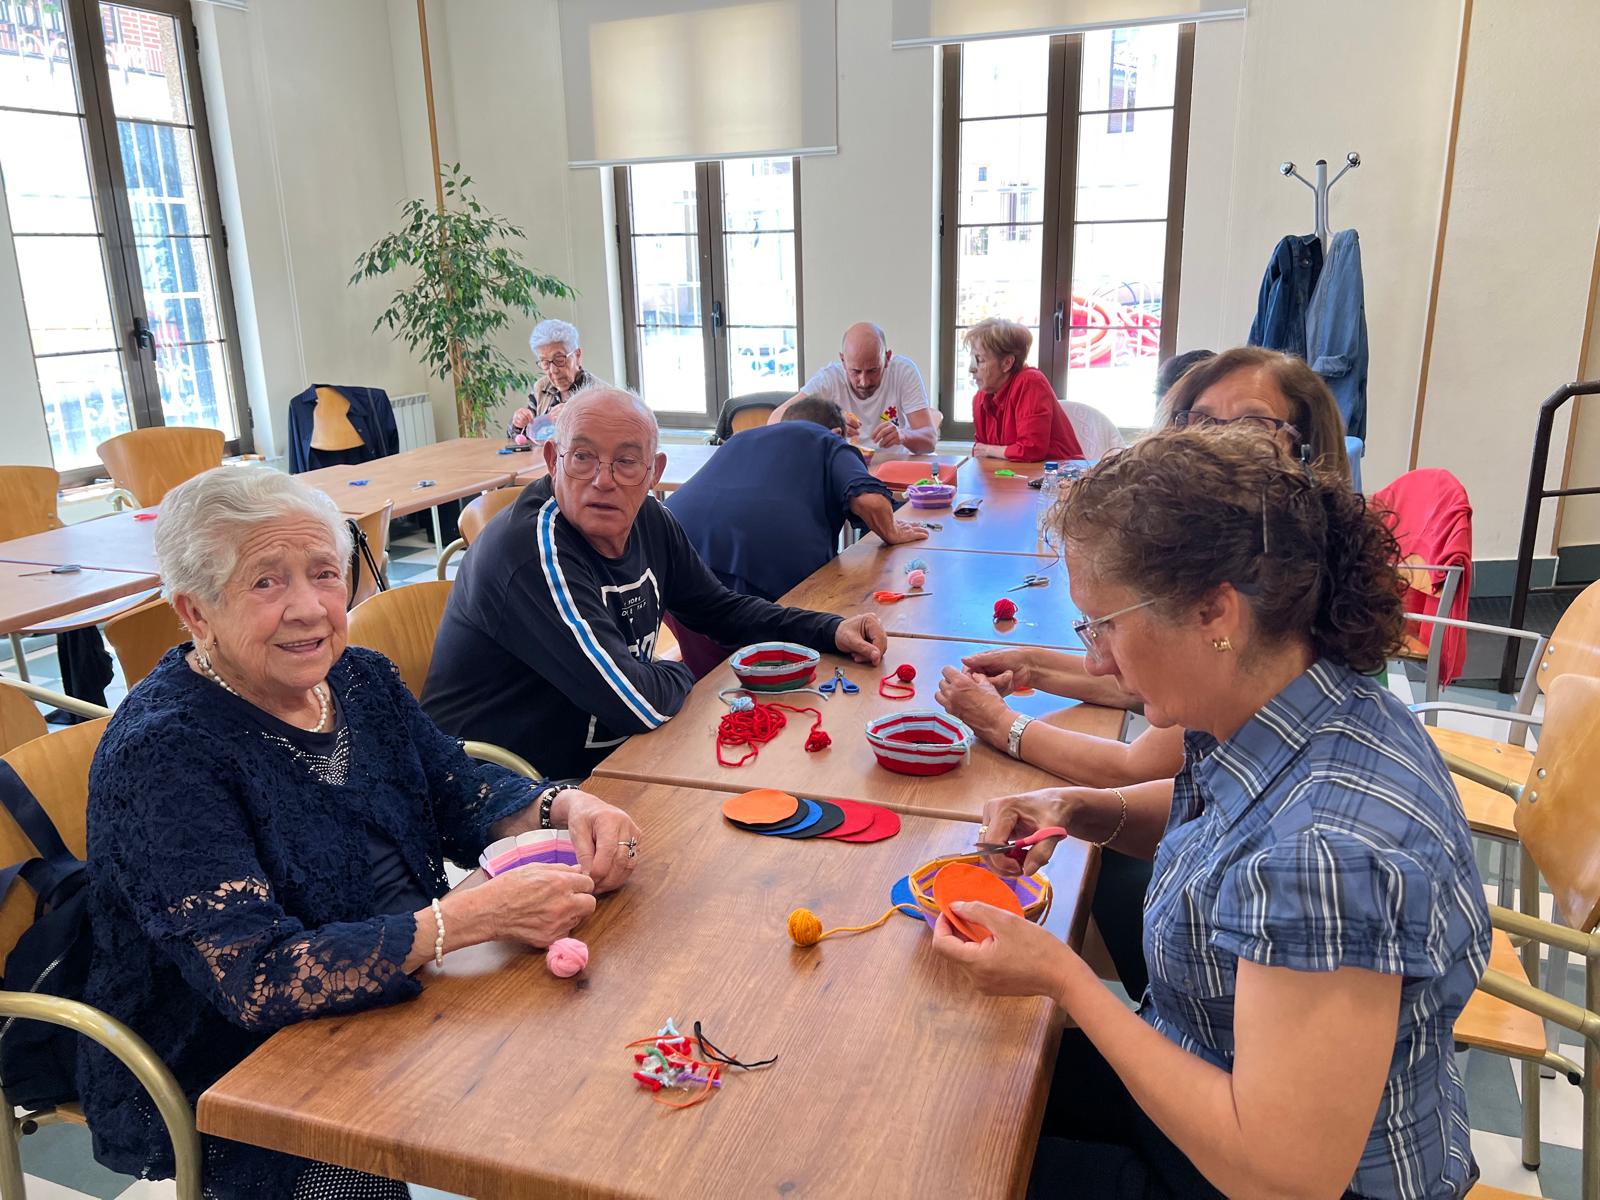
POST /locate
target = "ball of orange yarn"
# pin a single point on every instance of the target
(905, 672)
(1005, 608)
(804, 927)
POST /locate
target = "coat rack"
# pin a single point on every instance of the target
(1320, 190)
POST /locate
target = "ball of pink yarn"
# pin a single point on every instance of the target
(916, 578)
(566, 957)
(522, 439)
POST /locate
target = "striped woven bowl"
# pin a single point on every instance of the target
(775, 666)
(919, 742)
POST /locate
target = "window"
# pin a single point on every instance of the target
(1061, 213)
(710, 282)
(112, 199)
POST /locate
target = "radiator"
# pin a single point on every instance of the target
(414, 416)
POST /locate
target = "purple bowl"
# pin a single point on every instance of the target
(930, 495)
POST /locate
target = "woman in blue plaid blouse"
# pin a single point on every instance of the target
(1315, 921)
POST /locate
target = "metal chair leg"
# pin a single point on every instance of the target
(1555, 982)
(12, 1186)
(18, 658)
(1528, 881)
(1591, 1103)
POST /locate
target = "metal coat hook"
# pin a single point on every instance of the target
(1320, 190)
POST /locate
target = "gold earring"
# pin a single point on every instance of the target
(1221, 645)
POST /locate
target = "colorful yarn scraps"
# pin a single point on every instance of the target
(900, 680)
(676, 1062)
(756, 725)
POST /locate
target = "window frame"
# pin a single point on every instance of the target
(1059, 203)
(714, 326)
(115, 219)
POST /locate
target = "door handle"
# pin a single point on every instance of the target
(716, 314)
(1060, 319)
(143, 336)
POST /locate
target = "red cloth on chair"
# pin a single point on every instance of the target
(1432, 520)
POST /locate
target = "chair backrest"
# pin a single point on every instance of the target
(1097, 433)
(1557, 818)
(330, 422)
(1574, 647)
(746, 412)
(478, 514)
(400, 624)
(20, 720)
(141, 636)
(56, 770)
(149, 463)
(376, 526)
(28, 501)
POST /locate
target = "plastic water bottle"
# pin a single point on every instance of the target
(1051, 481)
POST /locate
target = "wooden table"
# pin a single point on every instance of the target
(894, 1078)
(979, 474)
(119, 542)
(31, 595)
(1007, 522)
(683, 751)
(962, 587)
(396, 479)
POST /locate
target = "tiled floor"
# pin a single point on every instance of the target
(60, 1165)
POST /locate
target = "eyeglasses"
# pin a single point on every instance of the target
(1089, 629)
(584, 465)
(554, 363)
(1189, 419)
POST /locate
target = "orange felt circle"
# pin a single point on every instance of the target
(967, 881)
(760, 807)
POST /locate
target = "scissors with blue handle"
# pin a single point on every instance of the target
(1030, 581)
(839, 681)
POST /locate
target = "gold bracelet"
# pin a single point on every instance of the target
(1121, 821)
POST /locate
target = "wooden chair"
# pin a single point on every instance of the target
(20, 720)
(56, 770)
(28, 505)
(140, 637)
(400, 624)
(146, 464)
(1559, 827)
(376, 526)
(746, 412)
(473, 519)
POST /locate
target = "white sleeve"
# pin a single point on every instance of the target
(818, 384)
(909, 393)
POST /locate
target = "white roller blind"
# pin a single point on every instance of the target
(936, 22)
(657, 80)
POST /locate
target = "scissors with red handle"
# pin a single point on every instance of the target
(1017, 848)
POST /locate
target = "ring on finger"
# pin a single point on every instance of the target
(632, 845)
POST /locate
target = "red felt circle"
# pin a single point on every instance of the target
(858, 818)
(885, 824)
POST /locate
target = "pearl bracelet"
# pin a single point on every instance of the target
(438, 940)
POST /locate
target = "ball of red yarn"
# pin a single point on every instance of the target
(818, 740)
(1005, 608)
(566, 957)
(905, 672)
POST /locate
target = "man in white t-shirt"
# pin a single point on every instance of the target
(878, 393)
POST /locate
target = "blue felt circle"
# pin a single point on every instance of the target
(813, 815)
(900, 894)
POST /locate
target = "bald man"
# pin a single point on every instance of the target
(880, 394)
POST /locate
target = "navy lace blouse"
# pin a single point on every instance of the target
(231, 890)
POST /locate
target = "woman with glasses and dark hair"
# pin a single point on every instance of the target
(1315, 922)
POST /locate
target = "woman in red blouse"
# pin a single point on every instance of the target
(1015, 414)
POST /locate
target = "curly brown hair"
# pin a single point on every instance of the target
(1181, 512)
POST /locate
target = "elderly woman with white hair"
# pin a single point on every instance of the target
(269, 812)
(555, 347)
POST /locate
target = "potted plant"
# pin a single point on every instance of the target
(468, 281)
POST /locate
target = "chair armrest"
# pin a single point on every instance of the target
(59, 700)
(1528, 926)
(122, 498)
(1476, 626)
(501, 757)
(1490, 779)
(135, 1054)
(1473, 710)
(447, 554)
(1541, 1003)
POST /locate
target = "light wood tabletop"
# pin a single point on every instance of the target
(683, 751)
(981, 474)
(123, 541)
(1007, 522)
(962, 587)
(397, 478)
(31, 595)
(894, 1078)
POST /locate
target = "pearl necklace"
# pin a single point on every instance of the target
(320, 691)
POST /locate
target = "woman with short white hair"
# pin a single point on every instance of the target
(555, 347)
(269, 811)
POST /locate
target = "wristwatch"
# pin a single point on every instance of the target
(1014, 739)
